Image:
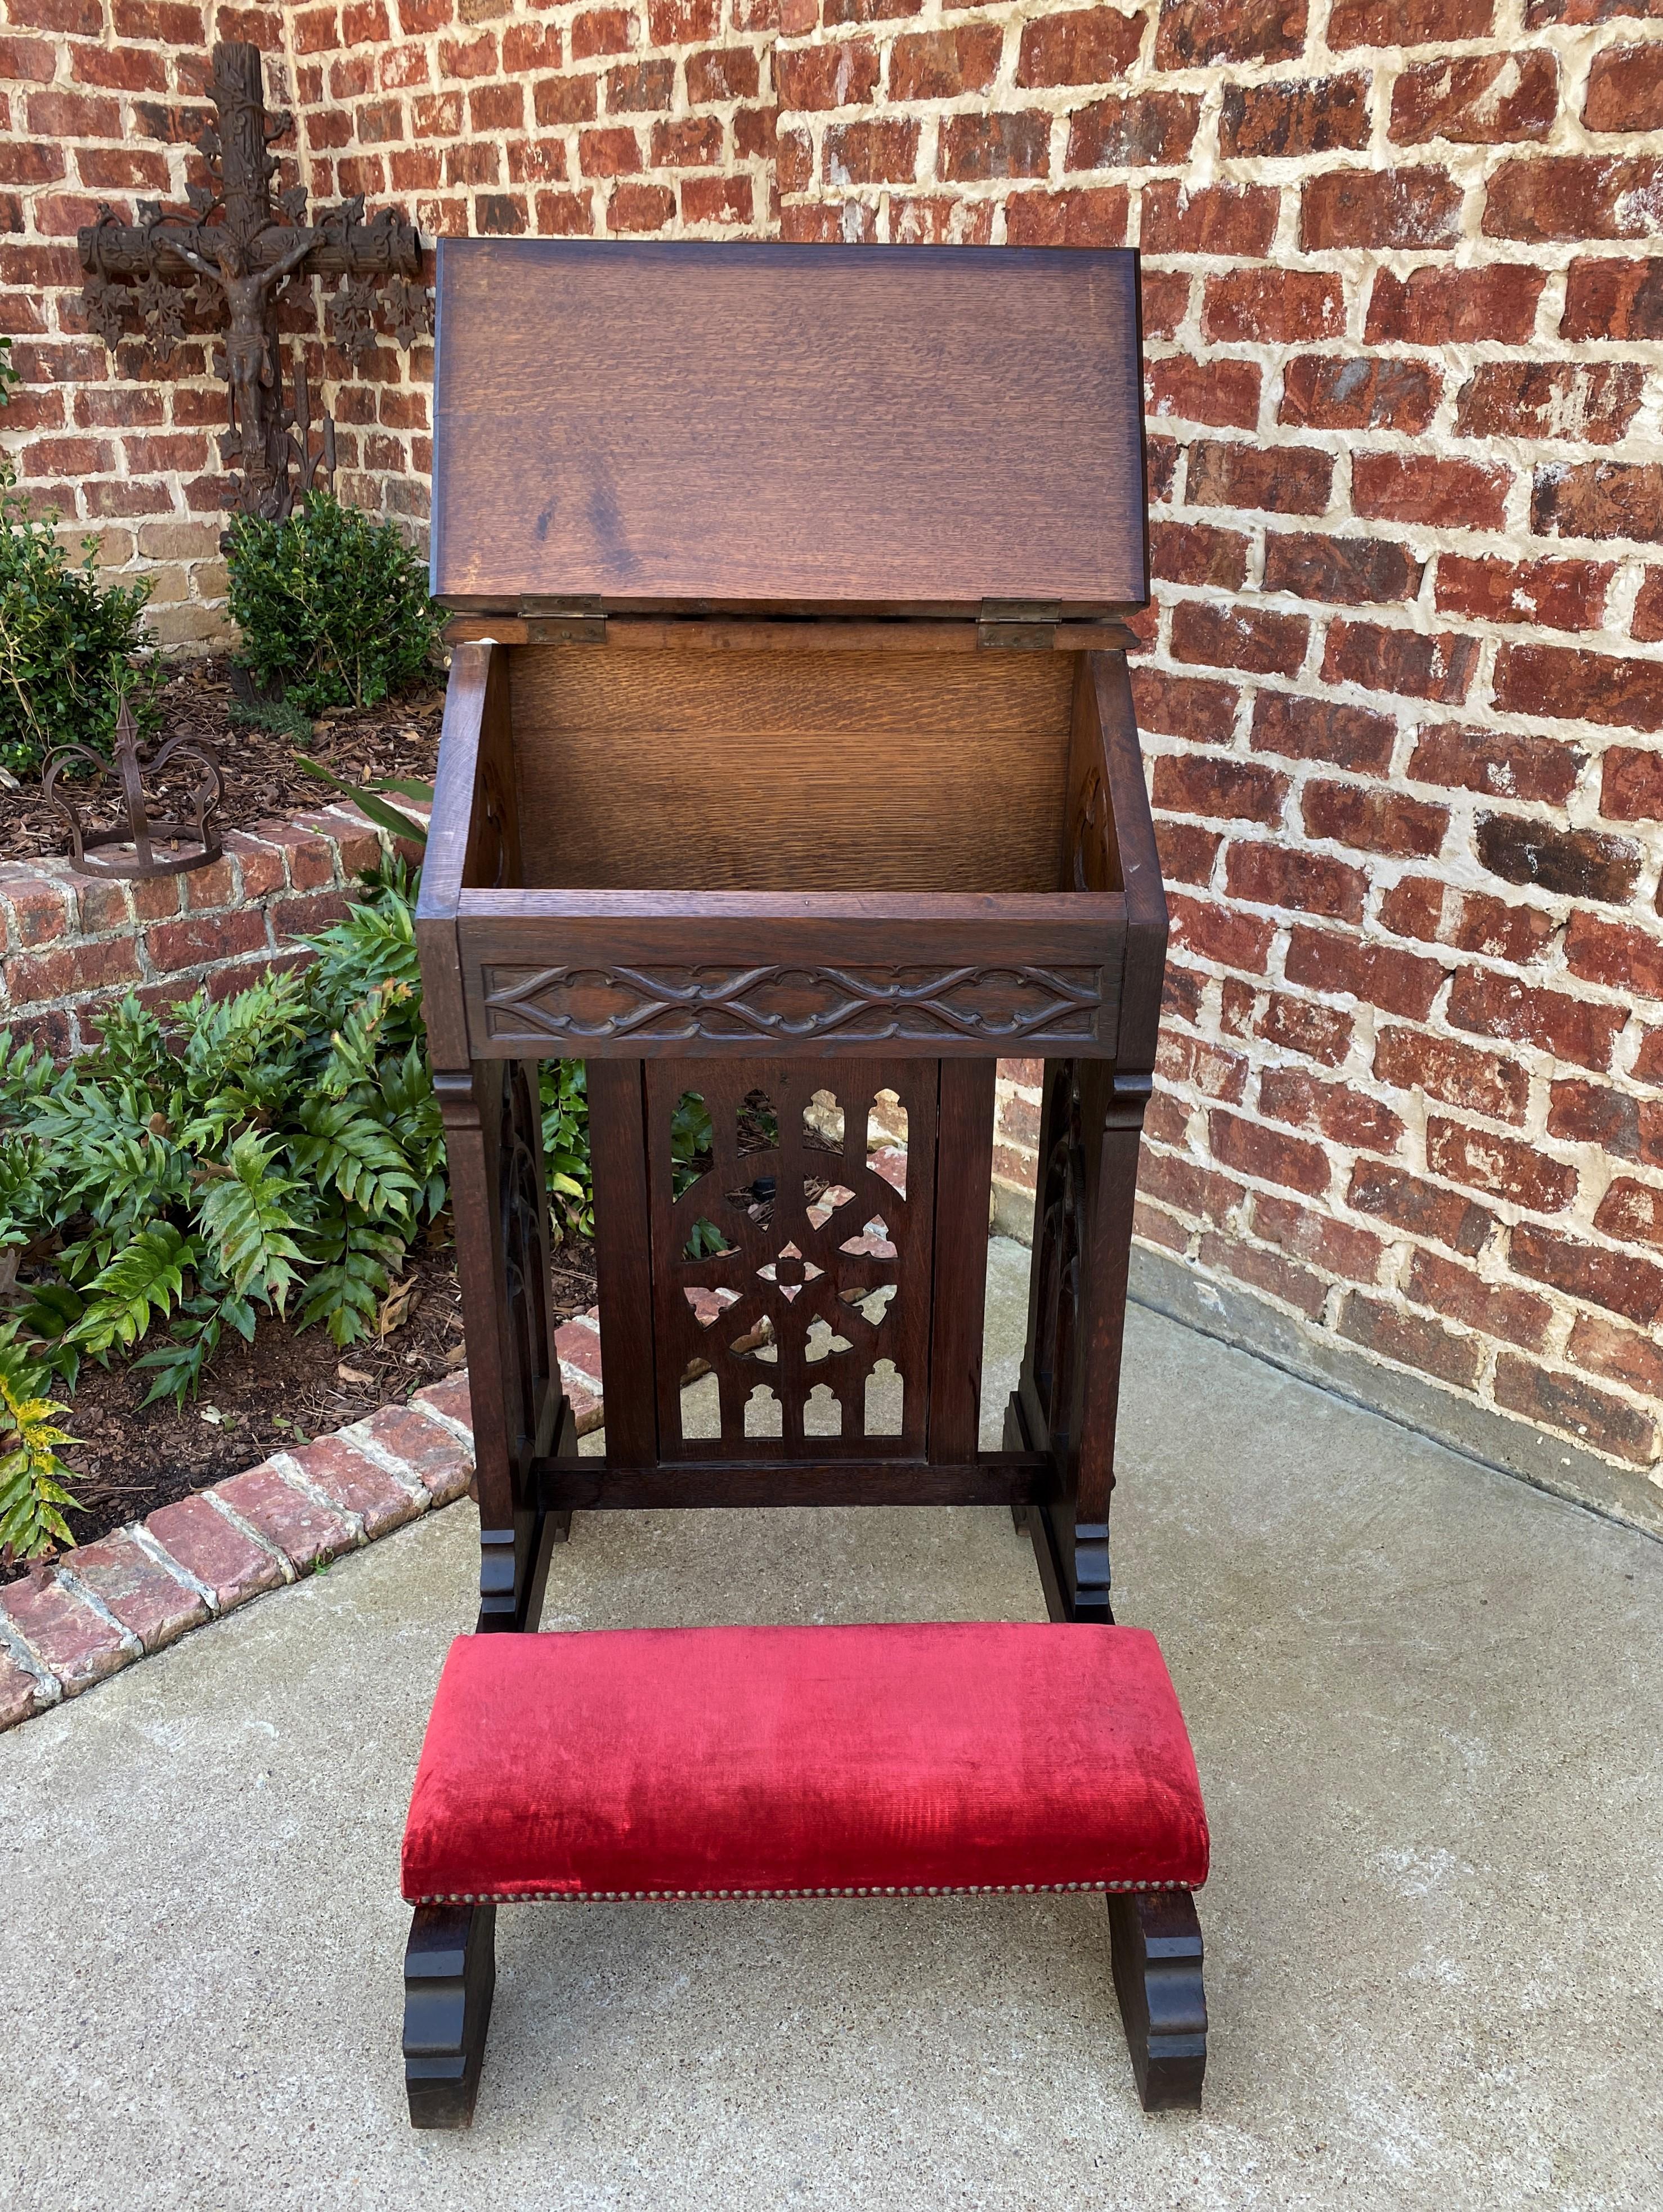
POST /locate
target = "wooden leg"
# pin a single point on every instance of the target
(557, 1523)
(1066, 1397)
(450, 1976)
(1156, 1941)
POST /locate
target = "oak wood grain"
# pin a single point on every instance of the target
(623, 1270)
(994, 975)
(597, 1485)
(812, 770)
(1137, 863)
(692, 634)
(445, 859)
(747, 425)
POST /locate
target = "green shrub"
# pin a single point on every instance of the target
(66, 643)
(333, 607)
(275, 1152)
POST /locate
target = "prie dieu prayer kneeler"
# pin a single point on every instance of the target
(790, 780)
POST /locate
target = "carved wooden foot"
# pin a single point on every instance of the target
(450, 1976)
(1156, 1941)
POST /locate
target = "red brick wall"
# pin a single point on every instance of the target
(70, 945)
(1403, 692)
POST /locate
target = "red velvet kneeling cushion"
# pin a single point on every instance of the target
(742, 1761)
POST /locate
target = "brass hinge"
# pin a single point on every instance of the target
(577, 618)
(1018, 625)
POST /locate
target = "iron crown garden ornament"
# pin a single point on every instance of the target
(236, 250)
(137, 846)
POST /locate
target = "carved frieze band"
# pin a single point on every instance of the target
(578, 1007)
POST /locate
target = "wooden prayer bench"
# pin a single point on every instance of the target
(789, 778)
(699, 1764)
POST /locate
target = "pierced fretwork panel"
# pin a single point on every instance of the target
(525, 1250)
(792, 1228)
(1061, 1226)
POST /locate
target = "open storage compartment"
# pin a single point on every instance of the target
(797, 814)
(810, 770)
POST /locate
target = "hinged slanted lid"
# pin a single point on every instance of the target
(840, 429)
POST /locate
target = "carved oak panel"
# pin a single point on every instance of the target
(988, 1007)
(792, 1241)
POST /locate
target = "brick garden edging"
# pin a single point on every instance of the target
(71, 943)
(96, 1609)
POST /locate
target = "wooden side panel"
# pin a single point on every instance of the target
(1068, 1397)
(752, 425)
(446, 854)
(1091, 847)
(1137, 863)
(495, 860)
(804, 771)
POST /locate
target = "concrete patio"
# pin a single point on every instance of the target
(1425, 1704)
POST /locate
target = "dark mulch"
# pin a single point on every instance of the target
(399, 738)
(281, 1391)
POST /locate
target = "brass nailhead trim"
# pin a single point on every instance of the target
(704, 1896)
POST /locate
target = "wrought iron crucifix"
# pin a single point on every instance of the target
(240, 249)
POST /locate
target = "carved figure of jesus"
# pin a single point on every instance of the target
(247, 347)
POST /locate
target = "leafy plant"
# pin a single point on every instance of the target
(67, 643)
(275, 1152)
(565, 1099)
(34, 1480)
(369, 802)
(333, 606)
(276, 715)
(691, 1145)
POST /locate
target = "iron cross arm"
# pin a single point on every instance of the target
(173, 247)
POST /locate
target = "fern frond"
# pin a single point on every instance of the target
(130, 1047)
(33, 1480)
(409, 1110)
(46, 1320)
(242, 1043)
(26, 1180)
(143, 1281)
(25, 1073)
(247, 1224)
(115, 1164)
(373, 945)
(343, 1150)
(354, 1263)
(353, 1047)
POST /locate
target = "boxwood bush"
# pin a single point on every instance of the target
(333, 607)
(67, 644)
